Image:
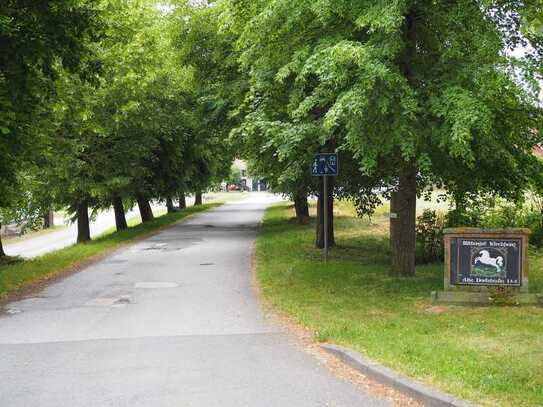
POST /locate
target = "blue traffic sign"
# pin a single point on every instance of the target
(325, 165)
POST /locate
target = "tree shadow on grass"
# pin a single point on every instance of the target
(363, 264)
(358, 264)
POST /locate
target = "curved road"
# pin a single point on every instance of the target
(170, 321)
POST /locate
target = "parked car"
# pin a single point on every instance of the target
(10, 230)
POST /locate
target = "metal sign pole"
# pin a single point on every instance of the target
(325, 218)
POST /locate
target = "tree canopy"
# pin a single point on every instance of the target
(421, 93)
(115, 107)
(116, 103)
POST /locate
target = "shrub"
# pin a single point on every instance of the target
(498, 213)
(429, 237)
(482, 212)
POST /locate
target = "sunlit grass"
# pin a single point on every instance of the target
(492, 355)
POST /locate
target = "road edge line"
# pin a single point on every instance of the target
(414, 389)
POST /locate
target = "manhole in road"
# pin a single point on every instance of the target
(156, 284)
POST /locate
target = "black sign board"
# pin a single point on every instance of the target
(480, 262)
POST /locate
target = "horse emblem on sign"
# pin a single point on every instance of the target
(488, 262)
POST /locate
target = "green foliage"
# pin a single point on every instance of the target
(144, 98)
(430, 237)
(235, 176)
(490, 212)
(389, 83)
(215, 88)
(147, 124)
(36, 37)
(532, 19)
(23, 213)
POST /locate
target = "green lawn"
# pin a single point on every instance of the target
(18, 276)
(492, 355)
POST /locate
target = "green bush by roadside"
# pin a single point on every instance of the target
(488, 213)
(499, 213)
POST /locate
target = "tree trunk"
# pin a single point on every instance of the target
(182, 201)
(120, 217)
(403, 208)
(48, 219)
(2, 253)
(169, 205)
(302, 208)
(320, 215)
(145, 209)
(83, 226)
(403, 203)
(198, 198)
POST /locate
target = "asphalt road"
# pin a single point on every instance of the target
(170, 321)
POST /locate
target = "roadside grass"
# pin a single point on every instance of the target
(17, 276)
(492, 355)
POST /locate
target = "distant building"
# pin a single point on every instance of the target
(249, 183)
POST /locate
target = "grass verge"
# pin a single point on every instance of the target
(492, 355)
(21, 275)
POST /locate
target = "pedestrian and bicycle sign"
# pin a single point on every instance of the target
(325, 165)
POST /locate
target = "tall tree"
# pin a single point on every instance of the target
(216, 90)
(34, 38)
(407, 90)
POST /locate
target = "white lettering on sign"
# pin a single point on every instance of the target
(393, 215)
(503, 244)
(472, 243)
(482, 243)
